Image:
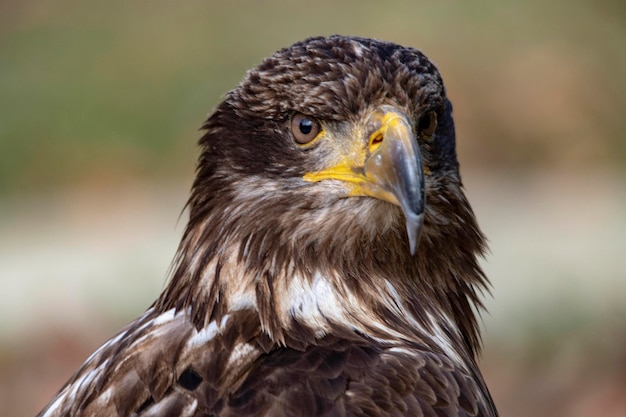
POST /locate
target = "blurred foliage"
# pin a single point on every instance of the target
(103, 91)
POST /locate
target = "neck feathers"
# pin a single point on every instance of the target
(382, 297)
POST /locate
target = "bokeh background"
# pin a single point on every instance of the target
(100, 103)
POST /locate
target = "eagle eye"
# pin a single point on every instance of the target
(304, 128)
(427, 124)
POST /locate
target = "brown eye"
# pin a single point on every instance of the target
(427, 124)
(304, 128)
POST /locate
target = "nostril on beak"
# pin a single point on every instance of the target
(375, 141)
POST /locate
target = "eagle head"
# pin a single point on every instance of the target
(333, 160)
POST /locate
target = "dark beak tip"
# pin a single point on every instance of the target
(413, 228)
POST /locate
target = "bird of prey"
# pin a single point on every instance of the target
(330, 263)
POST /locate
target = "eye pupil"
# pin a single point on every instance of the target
(306, 126)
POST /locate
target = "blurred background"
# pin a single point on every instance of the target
(100, 104)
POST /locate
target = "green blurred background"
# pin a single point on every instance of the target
(100, 103)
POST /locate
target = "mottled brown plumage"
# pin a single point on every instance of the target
(294, 293)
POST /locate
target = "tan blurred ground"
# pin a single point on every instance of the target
(99, 106)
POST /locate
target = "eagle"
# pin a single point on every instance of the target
(330, 264)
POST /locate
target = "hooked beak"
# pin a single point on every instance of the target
(391, 169)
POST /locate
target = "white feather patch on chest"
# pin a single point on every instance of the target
(319, 304)
(314, 302)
